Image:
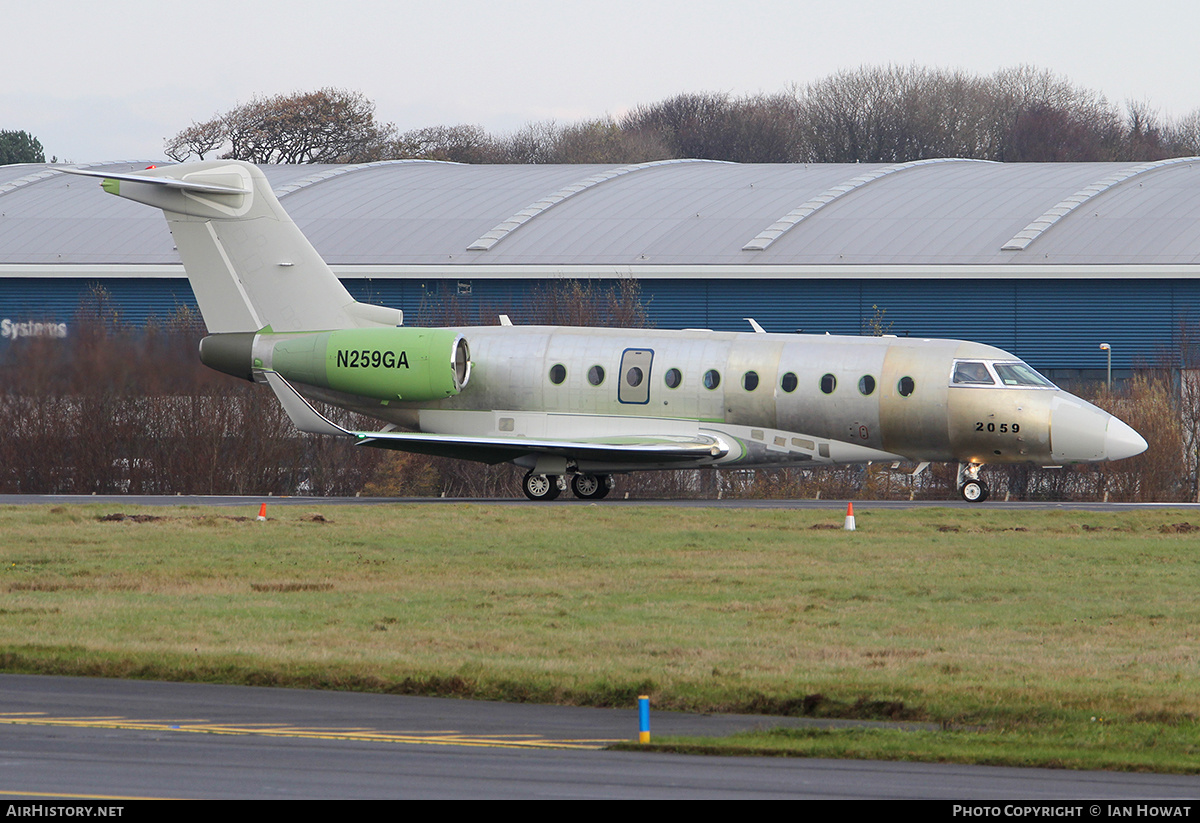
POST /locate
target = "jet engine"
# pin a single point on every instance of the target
(414, 365)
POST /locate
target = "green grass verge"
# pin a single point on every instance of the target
(1021, 627)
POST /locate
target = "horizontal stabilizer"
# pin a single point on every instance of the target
(169, 182)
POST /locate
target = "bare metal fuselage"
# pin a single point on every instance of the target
(779, 400)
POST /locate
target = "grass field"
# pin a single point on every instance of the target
(1048, 637)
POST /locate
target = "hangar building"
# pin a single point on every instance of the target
(1046, 260)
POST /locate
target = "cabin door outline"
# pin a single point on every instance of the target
(633, 383)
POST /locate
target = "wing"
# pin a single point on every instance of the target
(623, 449)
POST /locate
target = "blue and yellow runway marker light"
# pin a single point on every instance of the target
(643, 719)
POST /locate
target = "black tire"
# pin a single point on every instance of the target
(974, 491)
(590, 486)
(540, 486)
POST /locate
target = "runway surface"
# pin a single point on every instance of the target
(82, 738)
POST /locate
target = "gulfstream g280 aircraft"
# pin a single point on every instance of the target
(574, 406)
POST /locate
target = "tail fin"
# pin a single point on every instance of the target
(249, 265)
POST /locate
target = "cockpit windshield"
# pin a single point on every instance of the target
(1014, 374)
(1019, 374)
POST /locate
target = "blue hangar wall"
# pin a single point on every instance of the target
(1055, 325)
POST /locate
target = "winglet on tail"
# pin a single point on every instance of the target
(249, 265)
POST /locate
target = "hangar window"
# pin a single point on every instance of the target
(905, 386)
(789, 382)
(673, 378)
(750, 380)
(712, 379)
(596, 375)
(558, 373)
(972, 373)
(828, 383)
(866, 385)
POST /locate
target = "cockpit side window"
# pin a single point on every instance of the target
(1020, 374)
(972, 373)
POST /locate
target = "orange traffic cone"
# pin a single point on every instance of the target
(849, 517)
(262, 512)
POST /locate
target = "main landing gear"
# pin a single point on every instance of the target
(548, 486)
(591, 486)
(540, 486)
(970, 486)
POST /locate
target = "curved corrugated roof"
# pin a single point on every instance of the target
(668, 214)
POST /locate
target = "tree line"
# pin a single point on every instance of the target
(883, 114)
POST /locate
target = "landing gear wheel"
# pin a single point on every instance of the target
(590, 486)
(540, 486)
(974, 491)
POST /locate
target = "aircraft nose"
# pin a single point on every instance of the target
(1122, 441)
(1082, 433)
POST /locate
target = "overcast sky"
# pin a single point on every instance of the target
(107, 81)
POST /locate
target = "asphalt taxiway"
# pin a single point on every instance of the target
(66, 737)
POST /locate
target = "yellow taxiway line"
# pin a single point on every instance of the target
(197, 726)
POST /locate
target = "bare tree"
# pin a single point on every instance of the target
(532, 143)
(604, 141)
(1183, 135)
(1143, 133)
(1041, 117)
(895, 114)
(856, 116)
(458, 144)
(198, 140)
(690, 125)
(324, 126)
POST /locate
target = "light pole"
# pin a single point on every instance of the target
(1107, 349)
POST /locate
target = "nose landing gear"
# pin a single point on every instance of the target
(970, 486)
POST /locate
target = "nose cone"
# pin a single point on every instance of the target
(1122, 441)
(1082, 433)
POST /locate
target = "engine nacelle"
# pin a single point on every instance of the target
(415, 365)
